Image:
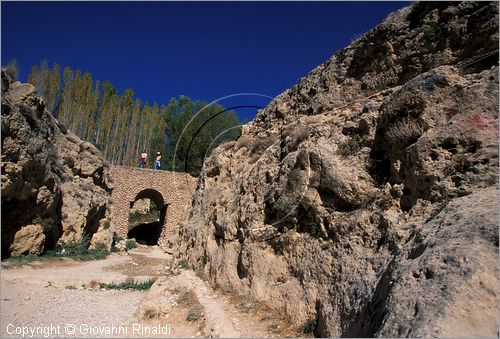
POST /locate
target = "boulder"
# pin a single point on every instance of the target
(30, 239)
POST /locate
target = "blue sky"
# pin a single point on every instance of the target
(205, 50)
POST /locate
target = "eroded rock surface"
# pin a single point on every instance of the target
(365, 199)
(55, 187)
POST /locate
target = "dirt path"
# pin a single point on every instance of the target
(64, 298)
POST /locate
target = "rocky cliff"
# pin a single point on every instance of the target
(56, 188)
(364, 200)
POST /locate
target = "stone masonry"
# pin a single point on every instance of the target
(170, 191)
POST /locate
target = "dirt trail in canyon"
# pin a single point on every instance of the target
(66, 298)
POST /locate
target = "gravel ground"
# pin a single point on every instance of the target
(63, 298)
(34, 307)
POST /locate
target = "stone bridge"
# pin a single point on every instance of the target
(171, 192)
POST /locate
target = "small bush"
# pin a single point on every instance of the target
(352, 146)
(299, 134)
(309, 326)
(203, 260)
(129, 285)
(70, 287)
(282, 205)
(194, 313)
(183, 263)
(106, 225)
(261, 145)
(117, 238)
(150, 314)
(130, 244)
(281, 280)
(76, 248)
(136, 218)
(405, 132)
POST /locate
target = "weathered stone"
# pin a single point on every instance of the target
(366, 196)
(171, 192)
(48, 173)
(30, 239)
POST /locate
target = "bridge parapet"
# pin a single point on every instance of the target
(172, 189)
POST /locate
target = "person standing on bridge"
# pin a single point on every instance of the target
(157, 161)
(143, 159)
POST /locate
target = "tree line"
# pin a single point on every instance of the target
(122, 126)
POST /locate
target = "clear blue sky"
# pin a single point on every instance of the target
(202, 50)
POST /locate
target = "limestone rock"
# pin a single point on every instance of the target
(366, 196)
(48, 173)
(28, 240)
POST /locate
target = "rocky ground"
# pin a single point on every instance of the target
(62, 292)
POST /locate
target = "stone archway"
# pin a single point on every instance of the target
(148, 233)
(171, 192)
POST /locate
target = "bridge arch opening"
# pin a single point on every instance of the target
(147, 216)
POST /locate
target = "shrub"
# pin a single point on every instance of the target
(309, 326)
(150, 314)
(76, 248)
(130, 244)
(116, 238)
(129, 285)
(405, 132)
(261, 145)
(299, 134)
(106, 225)
(194, 313)
(183, 263)
(352, 146)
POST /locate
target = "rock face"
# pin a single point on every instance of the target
(364, 200)
(55, 187)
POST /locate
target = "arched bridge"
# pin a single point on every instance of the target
(171, 192)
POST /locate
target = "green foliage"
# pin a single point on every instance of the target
(203, 260)
(77, 250)
(194, 313)
(106, 225)
(130, 244)
(283, 205)
(122, 126)
(195, 129)
(129, 285)
(183, 263)
(352, 146)
(309, 326)
(137, 217)
(116, 238)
